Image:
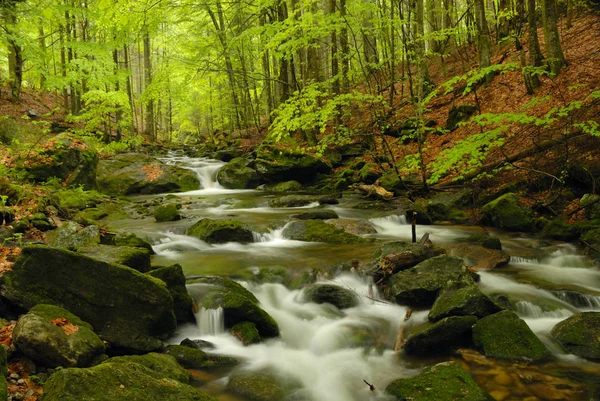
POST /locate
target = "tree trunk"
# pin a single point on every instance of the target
(149, 122)
(335, 65)
(345, 53)
(484, 43)
(503, 20)
(556, 58)
(266, 67)
(422, 78)
(15, 53)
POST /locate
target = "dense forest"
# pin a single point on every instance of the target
(350, 163)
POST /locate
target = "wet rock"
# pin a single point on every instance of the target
(195, 358)
(507, 212)
(246, 332)
(354, 227)
(485, 241)
(175, 280)
(167, 212)
(287, 186)
(239, 304)
(294, 200)
(55, 337)
(239, 173)
(278, 165)
(319, 231)
(439, 337)
(395, 256)
(136, 258)
(72, 236)
(163, 364)
(480, 256)
(419, 286)
(221, 231)
(319, 214)
(130, 310)
(465, 301)
(559, 230)
(337, 296)
(113, 381)
(446, 381)
(592, 241)
(136, 173)
(390, 181)
(505, 335)
(131, 239)
(579, 334)
(257, 386)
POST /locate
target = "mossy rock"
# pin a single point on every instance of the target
(458, 114)
(390, 181)
(335, 295)
(136, 173)
(166, 212)
(130, 310)
(508, 212)
(592, 238)
(246, 332)
(136, 258)
(111, 381)
(257, 387)
(465, 301)
(579, 334)
(287, 186)
(221, 231)
(3, 361)
(294, 200)
(354, 227)
(239, 304)
(182, 301)
(557, 229)
(485, 241)
(446, 381)
(369, 173)
(131, 239)
(165, 365)
(239, 173)
(195, 358)
(319, 231)
(73, 236)
(320, 214)
(439, 337)
(279, 165)
(402, 255)
(67, 343)
(480, 256)
(504, 335)
(419, 286)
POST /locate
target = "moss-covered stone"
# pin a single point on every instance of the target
(369, 173)
(72, 236)
(447, 381)
(166, 212)
(439, 337)
(505, 335)
(458, 114)
(287, 186)
(579, 334)
(401, 255)
(319, 231)
(112, 381)
(131, 239)
(130, 310)
(559, 230)
(239, 173)
(195, 358)
(136, 173)
(294, 200)
(45, 337)
(319, 214)
(257, 387)
(3, 361)
(419, 286)
(485, 241)
(354, 227)
(335, 295)
(507, 212)
(480, 256)
(246, 332)
(278, 165)
(592, 240)
(182, 301)
(163, 364)
(239, 304)
(136, 258)
(465, 301)
(390, 181)
(221, 231)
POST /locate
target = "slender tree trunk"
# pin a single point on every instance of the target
(129, 89)
(536, 58)
(149, 128)
(345, 53)
(484, 43)
(556, 58)
(503, 20)
(42, 44)
(422, 78)
(335, 65)
(15, 53)
(266, 67)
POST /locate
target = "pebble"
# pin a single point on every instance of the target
(21, 381)
(14, 376)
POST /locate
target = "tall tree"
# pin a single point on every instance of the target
(555, 56)
(484, 43)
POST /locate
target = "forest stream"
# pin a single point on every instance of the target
(328, 355)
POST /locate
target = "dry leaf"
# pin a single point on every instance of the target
(153, 172)
(68, 327)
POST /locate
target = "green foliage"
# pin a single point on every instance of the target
(9, 129)
(100, 108)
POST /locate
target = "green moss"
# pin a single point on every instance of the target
(257, 387)
(163, 364)
(238, 174)
(340, 297)
(446, 381)
(559, 230)
(167, 212)
(130, 239)
(192, 358)
(505, 335)
(220, 231)
(580, 335)
(508, 212)
(464, 301)
(136, 258)
(118, 382)
(182, 301)
(435, 338)
(246, 332)
(319, 214)
(294, 200)
(287, 186)
(319, 231)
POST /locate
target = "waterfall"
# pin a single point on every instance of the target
(531, 310)
(584, 301)
(521, 260)
(210, 321)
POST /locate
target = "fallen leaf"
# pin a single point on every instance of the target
(68, 327)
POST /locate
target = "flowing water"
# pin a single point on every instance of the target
(327, 354)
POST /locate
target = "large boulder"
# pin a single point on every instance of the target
(507, 212)
(239, 174)
(195, 358)
(446, 381)
(239, 304)
(440, 336)
(294, 200)
(136, 258)
(70, 159)
(395, 256)
(354, 227)
(130, 310)
(166, 212)
(221, 231)
(182, 301)
(163, 364)
(419, 286)
(319, 231)
(55, 337)
(277, 165)
(580, 335)
(505, 335)
(136, 173)
(464, 301)
(131, 239)
(261, 386)
(73, 236)
(340, 297)
(480, 256)
(118, 381)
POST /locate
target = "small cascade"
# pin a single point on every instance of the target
(527, 309)
(210, 321)
(584, 301)
(519, 260)
(207, 170)
(175, 243)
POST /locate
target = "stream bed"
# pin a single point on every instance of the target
(327, 354)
